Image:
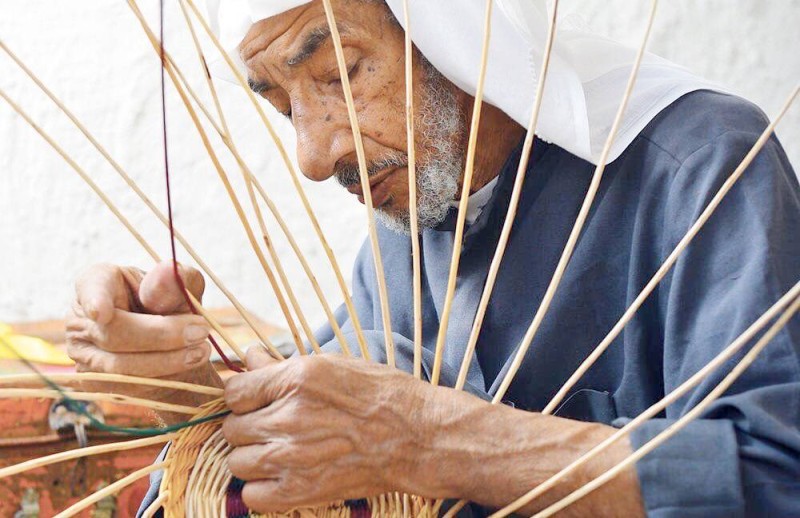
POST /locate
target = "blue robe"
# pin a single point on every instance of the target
(743, 457)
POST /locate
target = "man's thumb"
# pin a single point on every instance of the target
(258, 358)
(160, 293)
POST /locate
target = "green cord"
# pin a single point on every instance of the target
(79, 407)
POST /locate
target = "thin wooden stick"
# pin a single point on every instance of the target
(224, 178)
(681, 423)
(143, 197)
(18, 393)
(294, 177)
(726, 354)
(225, 136)
(582, 216)
(110, 490)
(516, 193)
(194, 96)
(508, 224)
(18, 379)
(201, 468)
(153, 508)
(412, 197)
(569, 247)
(248, 176)
(672, 259)
(464, 202)
(83, 452)
(337, 330)
(125, 222)
(365, 185)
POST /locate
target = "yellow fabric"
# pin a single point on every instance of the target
(30, 348)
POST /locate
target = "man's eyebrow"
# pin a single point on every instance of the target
(312, 42)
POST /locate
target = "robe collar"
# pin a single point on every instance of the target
(488, 224)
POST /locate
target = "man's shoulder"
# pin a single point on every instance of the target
(699, 119)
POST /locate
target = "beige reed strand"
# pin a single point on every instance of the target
(582, 216)
(472, 146)
(125, 222)
(225, 181)
(516, 192)
(574, 234)
(13, 379)
(412, 195)
(120, 399)
(226, 138)
(143, 197)
(110, 490)
(294, 177)
(153, 508)
(681, 423)
(365, 185)
(247, 175)
(726, 354)
(673, 257)
(312, 278)
(80, 453)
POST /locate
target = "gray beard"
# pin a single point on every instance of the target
(441, 126)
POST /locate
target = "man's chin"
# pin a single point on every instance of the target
(396, 221)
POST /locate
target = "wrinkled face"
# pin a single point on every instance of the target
(291, 62)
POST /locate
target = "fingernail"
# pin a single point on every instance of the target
(91, 311)
(195, 333)
(195, 355)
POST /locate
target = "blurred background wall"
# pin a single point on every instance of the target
(94, 56)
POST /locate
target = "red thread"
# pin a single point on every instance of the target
(177, 275)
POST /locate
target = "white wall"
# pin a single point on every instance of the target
(93, 55)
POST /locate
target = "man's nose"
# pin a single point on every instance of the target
(321, 141)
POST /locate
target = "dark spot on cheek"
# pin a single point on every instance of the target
(379, 134)
(328, 118)
(370, 69)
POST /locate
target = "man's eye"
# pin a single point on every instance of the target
(352, 70)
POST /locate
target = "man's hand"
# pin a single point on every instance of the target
(124, 321)
(312, 430)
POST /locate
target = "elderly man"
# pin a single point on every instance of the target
(316, 429)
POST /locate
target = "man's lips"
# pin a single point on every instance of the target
(378, 185)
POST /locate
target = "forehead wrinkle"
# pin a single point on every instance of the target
(253, 48)
(312, 42)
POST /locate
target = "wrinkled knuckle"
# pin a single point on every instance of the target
(265, 456)
(232, 395)
(258, 498)
(303, 370)
(113, 365)
(92, 362)
(237, 464)
(252, 355)
(100, 336)
(74, 335)
(229, 432)
(77, 352)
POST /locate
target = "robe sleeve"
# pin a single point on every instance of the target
(742, 457)
(362, 302)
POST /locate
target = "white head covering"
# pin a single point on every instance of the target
(585, 84)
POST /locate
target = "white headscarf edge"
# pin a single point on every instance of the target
(584, 86)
